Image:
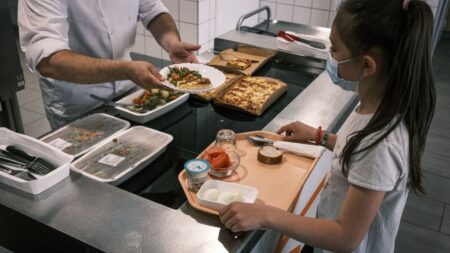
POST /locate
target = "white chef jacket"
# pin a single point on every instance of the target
(97, 28)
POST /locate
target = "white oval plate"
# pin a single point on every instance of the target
(216, 77)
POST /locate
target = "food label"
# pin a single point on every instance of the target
(197, 166)
(111, 160)
(60, 144)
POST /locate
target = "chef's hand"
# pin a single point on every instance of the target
(180, 51)
(239, 216)
(144, 74)
(298, 132)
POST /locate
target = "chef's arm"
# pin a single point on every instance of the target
(72, 67)
(166, 34)
(164, 30)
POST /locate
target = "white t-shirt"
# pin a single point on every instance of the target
(384, 167)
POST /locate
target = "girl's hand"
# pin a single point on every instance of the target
(298, 132)
(239, 216)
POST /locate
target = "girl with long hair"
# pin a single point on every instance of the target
(381, 49)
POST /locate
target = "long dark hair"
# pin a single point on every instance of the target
(404, 37)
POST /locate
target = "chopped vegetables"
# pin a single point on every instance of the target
(217, 157)
(153, 99)
(185, 78)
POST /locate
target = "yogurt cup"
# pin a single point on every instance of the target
(197, 173)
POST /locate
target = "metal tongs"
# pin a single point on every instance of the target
(291, 38)
(109, 102)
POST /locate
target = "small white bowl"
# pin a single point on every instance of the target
(248, 193)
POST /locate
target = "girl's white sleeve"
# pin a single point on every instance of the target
(378, 168)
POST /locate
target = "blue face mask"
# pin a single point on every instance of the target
(332, 69)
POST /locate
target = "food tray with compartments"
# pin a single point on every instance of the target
(124, 155)
(84, 134)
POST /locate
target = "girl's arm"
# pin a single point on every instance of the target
(342, 235)
(300, 132)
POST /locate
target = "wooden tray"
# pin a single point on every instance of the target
(278, 185)
(261, 56)
(275, 95)
(209, 95)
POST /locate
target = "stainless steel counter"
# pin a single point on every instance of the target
(112, 220)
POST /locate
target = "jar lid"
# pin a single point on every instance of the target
(195, 166)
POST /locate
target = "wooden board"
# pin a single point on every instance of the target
(258, 56)
(209, 95)
(270, 100)
(278, 185)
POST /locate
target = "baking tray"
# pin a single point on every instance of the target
(259, 55)
(123, 156)
(269, 101)
(278, 185)
(150, 115)
(209, 95)
(37, 148)
(73, 138)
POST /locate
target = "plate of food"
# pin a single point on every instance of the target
(192, 78)
(150, 104)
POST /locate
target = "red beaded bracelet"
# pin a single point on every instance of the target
(318, 135)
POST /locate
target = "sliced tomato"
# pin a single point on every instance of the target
(206, 156)
(220, 161)
(214, 151)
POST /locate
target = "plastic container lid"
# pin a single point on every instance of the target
(84, 134)
(127, 153)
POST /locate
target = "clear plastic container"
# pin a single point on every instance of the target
(127, 153)
(84, 134)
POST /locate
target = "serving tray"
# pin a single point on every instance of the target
(125, 155)
(278, 185)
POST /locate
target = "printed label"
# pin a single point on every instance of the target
(60, 144)
(197, 166)
(111, 160)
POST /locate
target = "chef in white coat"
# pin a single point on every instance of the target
(82, 47)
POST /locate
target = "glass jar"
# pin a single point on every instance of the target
(226, 139)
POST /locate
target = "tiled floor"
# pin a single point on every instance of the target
(31, 105)
(425, 225)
